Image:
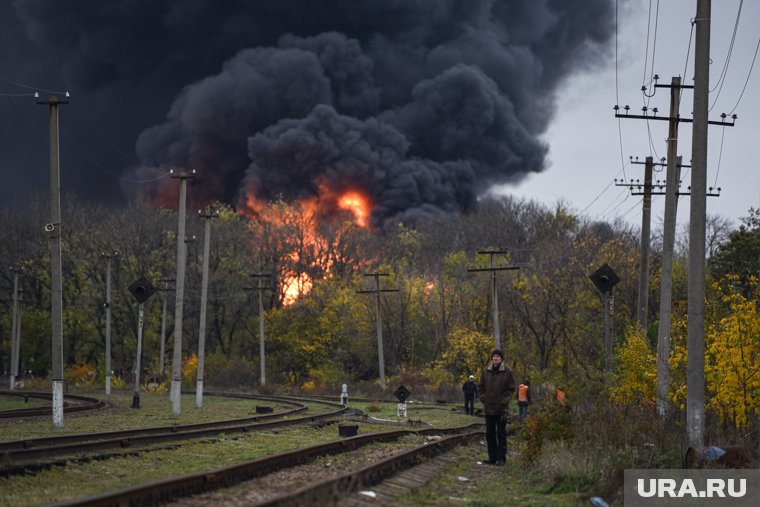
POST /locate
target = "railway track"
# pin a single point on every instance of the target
(71, 403)
(320, 492)
(20, 455)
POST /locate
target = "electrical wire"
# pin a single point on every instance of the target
(646, 50)
(645, 84)
(688, 48)
(724, 72)
(720, 156)
(120, 176)
(36, 88)
(748, 76)
(104, 137)
(635, 205)
(617, 101)
(622, 192)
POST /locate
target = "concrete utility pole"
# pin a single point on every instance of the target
(207, 215)
(695, 377)
(671, 199)
(672, 184)
(54, 233)
(15, 341)
(176, 388)
(107, 305)
(378, 319)
(647, 190)
(646, 221)
(162, 353)
(262, 349)
(494, 295)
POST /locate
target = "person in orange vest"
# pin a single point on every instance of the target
(560, 396)
(523, 399)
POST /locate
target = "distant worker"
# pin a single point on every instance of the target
(523, 399)
(469, 388)
(560, 396)
(495, 390)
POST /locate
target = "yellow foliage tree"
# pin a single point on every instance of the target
(636, 371)
(732, 352)
(468, 351)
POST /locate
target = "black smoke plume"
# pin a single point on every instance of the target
(421, 105)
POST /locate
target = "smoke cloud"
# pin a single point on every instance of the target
(420, 105)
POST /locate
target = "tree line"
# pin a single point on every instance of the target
(437, 328)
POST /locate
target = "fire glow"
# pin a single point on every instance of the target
(307, 215)
(357, 204)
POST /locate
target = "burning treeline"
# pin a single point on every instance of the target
(310, 239)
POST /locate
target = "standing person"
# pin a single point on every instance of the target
(469, 388)
(523, 399)
(494, 390)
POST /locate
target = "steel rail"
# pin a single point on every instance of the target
(86, 403)
(159, 492)
(20, 451)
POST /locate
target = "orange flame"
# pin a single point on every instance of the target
(357, 204)
(295, 283)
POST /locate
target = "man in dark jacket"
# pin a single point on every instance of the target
(469, 388)
(495, 389)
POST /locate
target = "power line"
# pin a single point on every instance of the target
(748, 75)
(36, 88)
(724, 72)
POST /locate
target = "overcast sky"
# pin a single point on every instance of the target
(584, 138)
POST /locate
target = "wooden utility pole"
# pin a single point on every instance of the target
(176, 388)
(262, 348)
(494, 294)
(54, 234)
(695, 377)
(378, 319)
(207, 215)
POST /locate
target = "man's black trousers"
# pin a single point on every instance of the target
(496, 437)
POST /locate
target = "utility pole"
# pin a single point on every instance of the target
(15, 341)
(107, 305)
(695, 377)
(207, 215)
(262, 350)
(647, 190)
(162, 353)
(669, 227)
(54, 233)
(494, 295)
(176, 389)
(378, 319)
